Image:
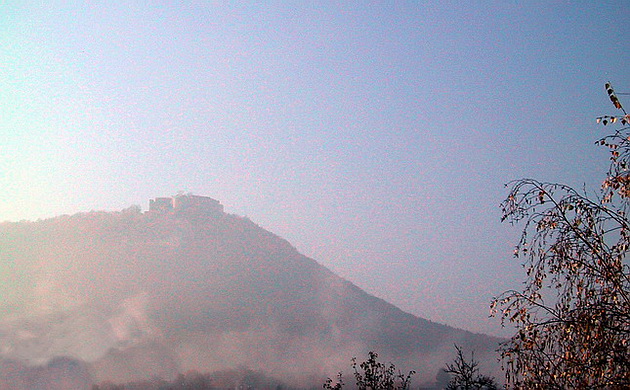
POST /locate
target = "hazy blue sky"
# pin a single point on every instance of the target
(374, 136)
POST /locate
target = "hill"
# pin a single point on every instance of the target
(130, 296)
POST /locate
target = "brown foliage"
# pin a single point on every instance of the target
(573, 315)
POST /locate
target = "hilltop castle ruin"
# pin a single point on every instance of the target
(185, 203)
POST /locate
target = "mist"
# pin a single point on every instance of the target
(133, 296)
(371, 141)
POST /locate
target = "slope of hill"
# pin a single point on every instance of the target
(136, 295)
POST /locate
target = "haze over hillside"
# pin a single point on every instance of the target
(132, 295)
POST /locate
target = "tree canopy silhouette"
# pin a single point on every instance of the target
(374, 375)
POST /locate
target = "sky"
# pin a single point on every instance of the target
(376, 137)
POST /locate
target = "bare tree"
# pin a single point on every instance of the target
(464, 374)
(572, 316)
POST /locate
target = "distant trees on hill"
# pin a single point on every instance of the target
(193, 380)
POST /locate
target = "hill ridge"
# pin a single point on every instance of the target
(195, 290)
